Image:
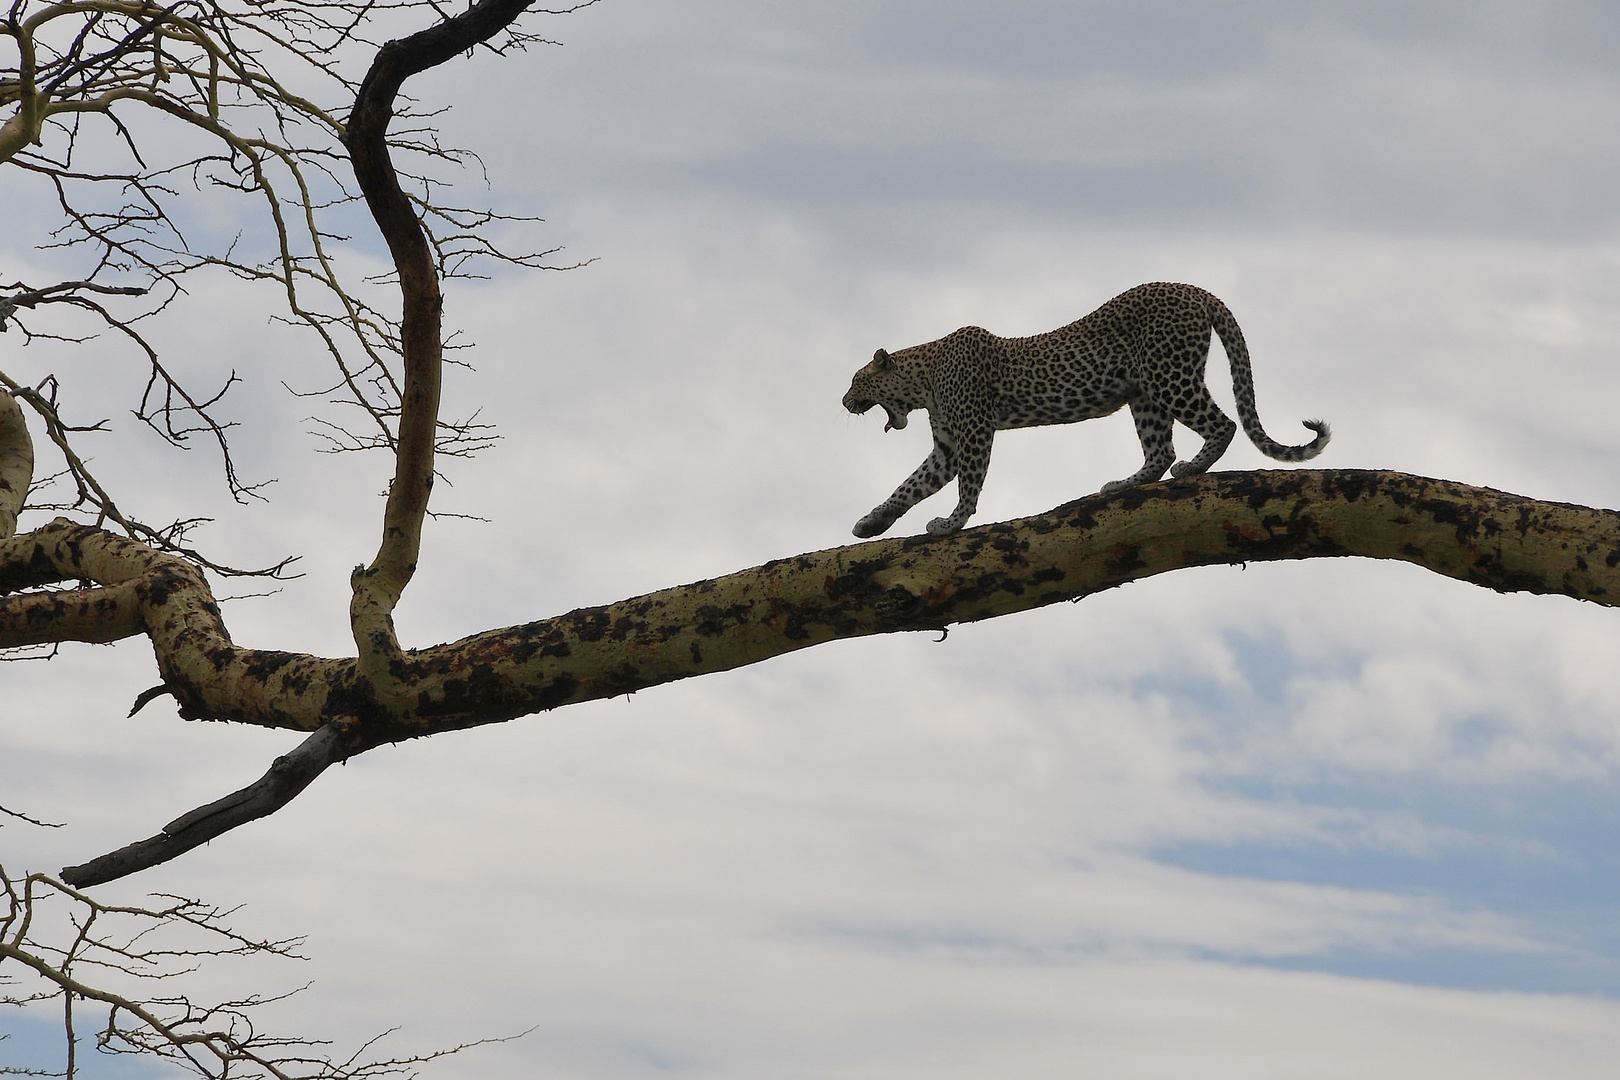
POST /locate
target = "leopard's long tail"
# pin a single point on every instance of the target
(1237, 351)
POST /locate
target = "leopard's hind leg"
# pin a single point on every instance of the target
(1217, 429)
(1153, 432)
(1179, 384)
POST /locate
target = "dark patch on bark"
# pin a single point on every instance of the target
(299, 680)
(1251, 488)
(481, 688)
(349, 696)
(713, 620)
(855, 584)
(1078, 514)
(799, 562)
(555, 693)
(1137, 497)
(1464, 524)
(1013, 549)
(624, 627)
(263, 663)
(589, 624)
(897, 606)
(542, 639)
(157, 588)
(624, 679)
(27, 574)
(796, 619)
(1123, 559)
(1352, 484)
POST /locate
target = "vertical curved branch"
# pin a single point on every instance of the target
(16, 463)
(378, 587)
(23, 127)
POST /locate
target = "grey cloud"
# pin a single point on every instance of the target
(1489, 121)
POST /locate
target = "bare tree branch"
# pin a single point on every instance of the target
(61, 945)
(289, 774)
(247, 77)
(378, 587)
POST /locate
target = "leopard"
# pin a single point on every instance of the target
(1146, 348)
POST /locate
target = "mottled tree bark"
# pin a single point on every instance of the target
(1499, 541)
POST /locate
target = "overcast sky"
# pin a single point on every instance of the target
(1321, 819)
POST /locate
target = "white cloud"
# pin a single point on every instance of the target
(895, 856)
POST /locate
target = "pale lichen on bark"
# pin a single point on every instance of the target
(16, 463)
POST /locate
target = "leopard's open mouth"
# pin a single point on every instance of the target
(860, 406)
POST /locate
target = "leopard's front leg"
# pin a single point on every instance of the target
(972, 462)
(929, 477)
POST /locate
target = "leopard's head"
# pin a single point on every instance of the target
(885, 382)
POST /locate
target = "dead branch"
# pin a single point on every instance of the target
(246, 79)
(289, 774)
(64, 947)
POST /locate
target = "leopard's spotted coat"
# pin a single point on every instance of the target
(1145, 348)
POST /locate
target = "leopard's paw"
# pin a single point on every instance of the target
(873, 524)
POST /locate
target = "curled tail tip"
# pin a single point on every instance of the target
(1324, 435)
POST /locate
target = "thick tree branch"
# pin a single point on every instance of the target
(1488, 538)
(101, 616)
(1504, 542)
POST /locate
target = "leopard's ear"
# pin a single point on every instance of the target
(883, 360)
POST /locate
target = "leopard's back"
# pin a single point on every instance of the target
(1096, 364)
